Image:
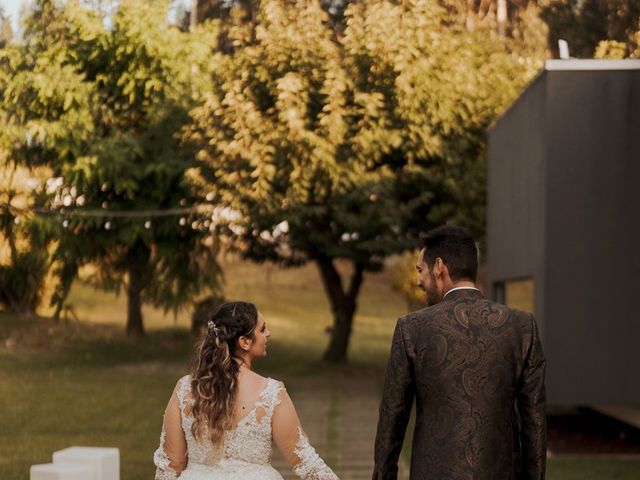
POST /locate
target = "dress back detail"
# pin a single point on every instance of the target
(249, 441)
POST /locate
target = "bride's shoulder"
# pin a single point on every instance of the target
(183, 385)
(275, 386)
(261, 382)
(274, 392)
(267, 384)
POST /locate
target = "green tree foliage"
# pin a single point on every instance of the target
(102, 107)
(517, 22)
(319, 148)
(24, 259)
(246, 11)
(585, 23)
(610, 49)
(503, 15)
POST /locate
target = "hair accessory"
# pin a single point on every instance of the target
(212, 326)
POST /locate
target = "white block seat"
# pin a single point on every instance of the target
(61, 471)
(105, 462)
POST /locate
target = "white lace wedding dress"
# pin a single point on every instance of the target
(245, 453)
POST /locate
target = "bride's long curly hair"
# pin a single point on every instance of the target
(214, 375)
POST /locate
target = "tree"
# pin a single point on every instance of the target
(322, 149)
(247, 9)
(24, 261)
(585, 23)
(102, 107)
(610, 49)
(501, 15)
(6, 32)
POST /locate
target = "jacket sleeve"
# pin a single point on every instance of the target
(531, 405)
(395, 408)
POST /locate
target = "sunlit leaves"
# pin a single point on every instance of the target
(358, 140)
(102, 105)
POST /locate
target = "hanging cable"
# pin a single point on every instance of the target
(170, 212)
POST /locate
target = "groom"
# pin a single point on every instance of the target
(476, 371)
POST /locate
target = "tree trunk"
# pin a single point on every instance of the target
(135, 326)
(471, 13)
(343, 305)
(193, 18)
(501, 15)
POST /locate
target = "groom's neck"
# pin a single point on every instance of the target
(457, 284)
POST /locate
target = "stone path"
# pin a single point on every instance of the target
(340, 417)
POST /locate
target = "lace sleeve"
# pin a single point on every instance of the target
(171, 456)
(294, 444)
(163, 462)
(310, 466)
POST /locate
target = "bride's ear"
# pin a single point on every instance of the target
(245, 343)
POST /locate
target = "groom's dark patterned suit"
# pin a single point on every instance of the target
(476, 371)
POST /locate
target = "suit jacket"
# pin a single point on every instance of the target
(476, 371)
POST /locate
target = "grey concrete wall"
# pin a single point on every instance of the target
(592, 275)
(564, 208)
(516, 193)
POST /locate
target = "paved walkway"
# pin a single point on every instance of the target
(340, 417)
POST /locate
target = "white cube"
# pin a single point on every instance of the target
(61, 471)
(105, 461)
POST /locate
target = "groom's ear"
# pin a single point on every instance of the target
(438, 267)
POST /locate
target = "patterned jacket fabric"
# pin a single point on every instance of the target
(475, 369)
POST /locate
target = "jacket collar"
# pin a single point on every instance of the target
(462, 292)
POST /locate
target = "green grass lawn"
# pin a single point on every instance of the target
(291, 300)
(85, 383)
(96, 390)
(580, 468)
(100, 390)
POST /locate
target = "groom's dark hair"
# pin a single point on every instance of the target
(457, 249)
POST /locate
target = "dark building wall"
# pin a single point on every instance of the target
(592, 280)
(515, 213)
(564, 208)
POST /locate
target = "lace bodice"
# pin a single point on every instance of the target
(248, 446)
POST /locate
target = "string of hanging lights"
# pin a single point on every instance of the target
(111, 215)
(76, 212)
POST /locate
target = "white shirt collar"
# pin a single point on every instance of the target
(459, 288)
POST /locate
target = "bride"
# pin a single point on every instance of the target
(221, 419)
